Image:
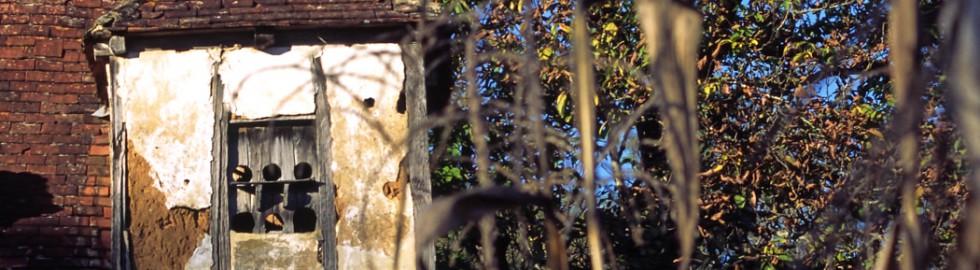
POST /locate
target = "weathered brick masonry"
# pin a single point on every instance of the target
(54, 173)
(55, 206)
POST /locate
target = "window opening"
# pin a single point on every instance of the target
(281, 199)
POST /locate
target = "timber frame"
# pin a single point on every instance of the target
(414, 87)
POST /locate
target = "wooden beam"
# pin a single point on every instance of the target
(120, 240)
(324, 141)
(418, 140)
(220, 242)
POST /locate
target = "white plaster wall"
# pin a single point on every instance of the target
(261, 84)
(202, 257)
(167, 107)
(368, 145)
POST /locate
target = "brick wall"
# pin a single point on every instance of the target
(54, 165)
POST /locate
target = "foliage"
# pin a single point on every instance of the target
(795, 101)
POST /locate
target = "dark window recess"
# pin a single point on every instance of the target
(273, 184)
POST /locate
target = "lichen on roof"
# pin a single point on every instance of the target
(100, 28)
(134, 16)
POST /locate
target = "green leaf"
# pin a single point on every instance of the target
(740, 200)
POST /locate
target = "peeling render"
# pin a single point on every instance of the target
(167, 107)
(166, 97)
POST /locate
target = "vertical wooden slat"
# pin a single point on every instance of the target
(120, 246)
(418, 155)
(324, 141)
(220, 241)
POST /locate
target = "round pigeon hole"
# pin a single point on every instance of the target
(304, 220)
(271, 172)
(242, 222)
(273, 222)
(303, 170)
(242, 173)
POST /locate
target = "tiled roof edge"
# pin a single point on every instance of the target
(101, 28)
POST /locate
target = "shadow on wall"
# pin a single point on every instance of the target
(23, 195)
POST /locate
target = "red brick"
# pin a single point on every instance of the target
(49, 87)
(74, 56)
(106, 202)
(98, 171)
(9, 159)
(16, 19)
(25, 128)
(39, 138)
(73, 139)
(170, 6)
(86, 201)
(59, 159)
(21, 107)
(21, 9)
(40, 149)
(105, 237)
(63, 189)
(51, 9)
(42, 169)
(13, 148)
(72, 149)
(10, 75)
(13, 52)
(15, 64)
(103, 191)
(87, 3)
(99, 150)
(27, 159)
(79, 88)
(24, 30)
(98, 160)
(65, 32)
(20, 41)
(75, 178)
(10, 139)
(69, 98)
(238, 3)
(49, 47)
(52, 128)
(54, 108)
(89, 129)
(33, 96)
(103, 222)
(76, 67)
(41, 76)
(44, 19)
(13, 168)
(104, 181)
(48, 65)
(270, 2)
(12, 117)
(87, 191)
